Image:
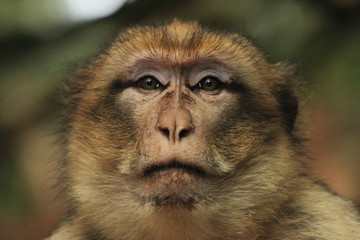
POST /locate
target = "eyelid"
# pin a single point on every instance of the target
(152, 73)
(208, 73)
(200, 77)
(197, 77)
(145, 73)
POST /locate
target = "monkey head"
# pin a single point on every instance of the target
(179, 119)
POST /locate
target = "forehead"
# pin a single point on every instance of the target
(179, 44)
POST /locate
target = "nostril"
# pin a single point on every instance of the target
(183, 133)
(166, 132)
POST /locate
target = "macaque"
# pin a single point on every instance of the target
(179, 132)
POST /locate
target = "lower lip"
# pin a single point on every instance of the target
(172, 175)
(171, 179)
(171, 186)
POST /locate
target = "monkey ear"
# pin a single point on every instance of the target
(289, 107)
(285, 92)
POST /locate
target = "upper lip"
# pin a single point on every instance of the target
(194, 169)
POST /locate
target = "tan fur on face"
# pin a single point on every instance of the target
(180, 162)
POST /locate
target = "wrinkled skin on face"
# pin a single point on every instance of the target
(179, 121)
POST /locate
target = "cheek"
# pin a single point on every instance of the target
(107, 135)
(142, 110)
(244, 130)
(145, 115)
(211, 111)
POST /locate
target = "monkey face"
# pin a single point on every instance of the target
(177, 116)
(175, 110)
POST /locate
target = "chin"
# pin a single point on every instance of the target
(173, 185)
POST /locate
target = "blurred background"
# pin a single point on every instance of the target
(41, 39)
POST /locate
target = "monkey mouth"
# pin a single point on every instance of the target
(174, 166)
(172, 183)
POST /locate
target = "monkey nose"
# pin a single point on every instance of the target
(175, 133)
(175, 125)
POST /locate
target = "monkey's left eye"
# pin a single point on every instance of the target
(149, 83)
(209, 84)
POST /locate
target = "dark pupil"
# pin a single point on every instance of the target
(208, 82)
(149, 82)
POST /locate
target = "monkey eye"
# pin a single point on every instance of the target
(209, 84)
(148, 83)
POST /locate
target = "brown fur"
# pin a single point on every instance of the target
(242, 139)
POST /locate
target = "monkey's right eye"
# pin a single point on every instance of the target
(148, 83)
